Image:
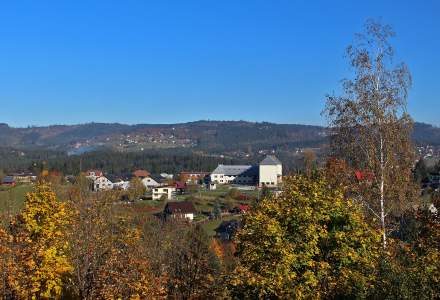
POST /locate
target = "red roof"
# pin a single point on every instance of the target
(180, 185)
(141, 173)
(243, 207)
(97, 172)
(184, 207)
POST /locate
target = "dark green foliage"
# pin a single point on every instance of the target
(421, 171)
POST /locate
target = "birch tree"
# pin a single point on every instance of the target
(371, 129)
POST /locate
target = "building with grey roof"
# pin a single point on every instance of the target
(268, 173)
(270, 160)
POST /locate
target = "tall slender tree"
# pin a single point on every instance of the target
(371, 129)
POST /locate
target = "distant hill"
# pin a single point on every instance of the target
(214, 136)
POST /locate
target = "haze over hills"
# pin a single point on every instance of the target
(203, 135)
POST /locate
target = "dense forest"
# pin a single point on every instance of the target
(119, 163)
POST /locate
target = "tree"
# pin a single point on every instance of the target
(7, 266)
(217, 210)
(421, 171)
(309, 161)
(370, 126)
(412, 270)
(265, 192)
(38, 246)
(136, 189)
(310, 242)
(183, 257)
(106, 254)
(190, 271)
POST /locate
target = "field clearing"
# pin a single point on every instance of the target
(12, 198)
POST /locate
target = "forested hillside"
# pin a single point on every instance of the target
(213, 136)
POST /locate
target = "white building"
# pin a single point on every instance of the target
(180, 210)
(150, 182)
(211, 186)
(238, 174)
(121, 184)
(168, 191)
(267, 173)
(102, 183)
(270, 171)
(93, 174)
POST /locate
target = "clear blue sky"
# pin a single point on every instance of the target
(142, 61)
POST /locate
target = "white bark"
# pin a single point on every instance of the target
(382, 194)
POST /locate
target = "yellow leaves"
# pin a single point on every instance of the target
(39, 246)
(305, 242)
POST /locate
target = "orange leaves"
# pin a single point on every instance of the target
(37, 246)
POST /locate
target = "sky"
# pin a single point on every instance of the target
(68, 62)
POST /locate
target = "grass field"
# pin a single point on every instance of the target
(213, 224)
(12, 198)
(204, 200)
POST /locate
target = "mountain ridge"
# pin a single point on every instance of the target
(214, 135)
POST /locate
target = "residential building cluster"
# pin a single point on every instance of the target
(164, 186)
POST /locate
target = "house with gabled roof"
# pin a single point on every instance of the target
(102, 183)
(8, 181)
(149, 182)
(166, 191)
(181, 210)
(234, 174)
(141, 173)
(93, 174)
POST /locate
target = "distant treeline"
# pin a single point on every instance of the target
(111, 162)
(120, 163)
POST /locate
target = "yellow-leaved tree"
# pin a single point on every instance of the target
(38, 246)
(310, 242)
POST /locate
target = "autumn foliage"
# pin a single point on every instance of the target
(35, 247)
(310, 242)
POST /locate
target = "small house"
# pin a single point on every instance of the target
(8, 181)
(193, 177)
(180, 187)
(24, 177)
(211, 186)
(149, 182)
(121, 184)
(181, 210)
(141, 174)
(168, 191)
(102, 183)
(93, 174)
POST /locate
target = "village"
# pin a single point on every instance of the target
(216, 198)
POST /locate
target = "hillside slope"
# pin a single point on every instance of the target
(215, 136)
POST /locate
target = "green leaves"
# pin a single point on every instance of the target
(310, 242)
